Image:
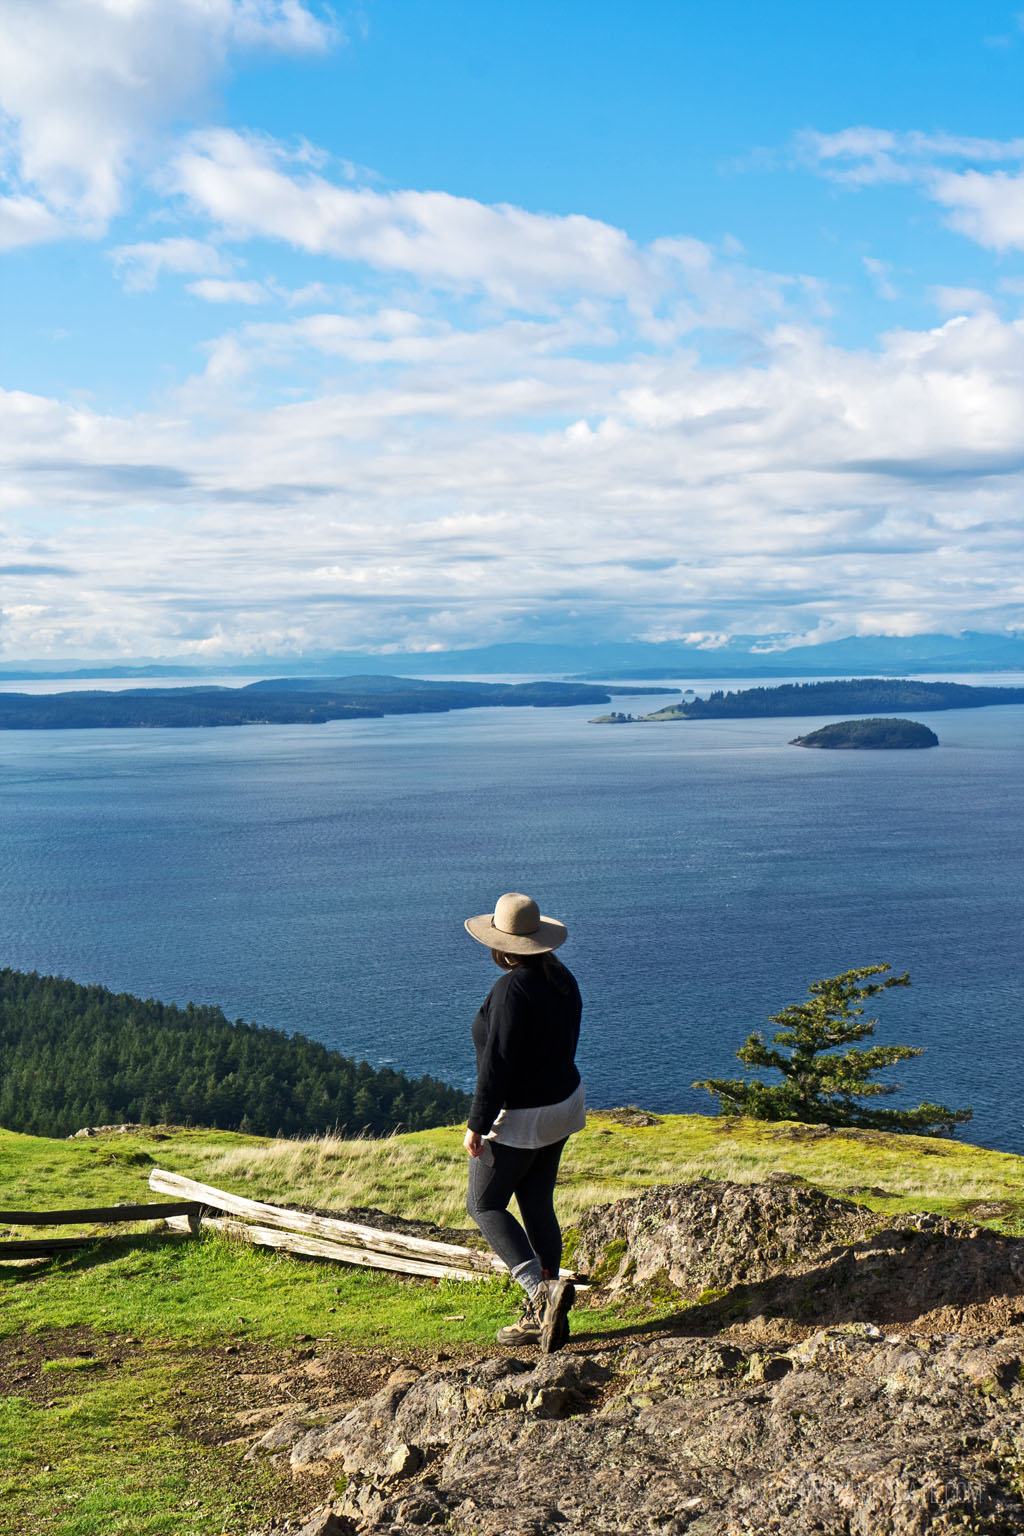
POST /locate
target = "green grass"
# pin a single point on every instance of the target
(213, 1290)
(104, 1454)
(112, 1451)
(424, 1174)
(64, 1363)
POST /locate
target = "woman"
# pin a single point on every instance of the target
(528, 1101)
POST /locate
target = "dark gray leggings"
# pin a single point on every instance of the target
(529, 1173)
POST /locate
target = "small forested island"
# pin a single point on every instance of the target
(616, 718)
(849, 696)
(870, 735)
(81, 1055)
(284, 701)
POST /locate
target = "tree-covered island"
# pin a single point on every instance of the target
(285, 701)
(869, 735)
(864, 695)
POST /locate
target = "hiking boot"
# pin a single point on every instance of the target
(558, 1297)
(528, 1328)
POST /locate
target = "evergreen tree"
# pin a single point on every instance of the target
(824, 1075)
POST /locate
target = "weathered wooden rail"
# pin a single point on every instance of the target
(328, 1237)
(185, 1211)
(254, 1221)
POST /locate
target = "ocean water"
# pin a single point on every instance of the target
(316, 878)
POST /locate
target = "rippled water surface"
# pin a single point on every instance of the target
(316, 878)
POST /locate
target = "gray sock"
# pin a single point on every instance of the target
(529, 1276)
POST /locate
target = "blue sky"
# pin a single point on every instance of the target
(424, 325)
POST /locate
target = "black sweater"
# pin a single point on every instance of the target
(525, 1037)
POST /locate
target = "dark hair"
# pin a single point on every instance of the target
(547, 963)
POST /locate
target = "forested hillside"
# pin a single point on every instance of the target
(72, 1056)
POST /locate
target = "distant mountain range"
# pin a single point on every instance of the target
(740, 656)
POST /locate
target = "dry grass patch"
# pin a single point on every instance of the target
(422, 1176)
(409, 1177)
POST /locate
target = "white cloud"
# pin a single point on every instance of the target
(986, 208)
(243, 186)
(139, 266)
(952, 302)
(279, 24)
(459, 484)
(26, 221)
(216, 290)
(493, 414)
(985, 205)
(309, 293)
(85, 85)
(855, 155)
(253, 188)
(395, 337)
(863, 155)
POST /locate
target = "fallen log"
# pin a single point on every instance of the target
(349, 1233)
(319, 1248)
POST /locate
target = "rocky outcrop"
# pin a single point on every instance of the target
(852, 1432)
(783, 1252)
(705, 1235)
(127, 1128)
(852, 1429)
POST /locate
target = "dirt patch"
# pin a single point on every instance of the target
(384, 1221)
(227, 1395)
(24, 1356)
(228, 1378)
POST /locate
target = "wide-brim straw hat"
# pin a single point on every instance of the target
(516, 927)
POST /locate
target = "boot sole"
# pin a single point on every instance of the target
(515, 1335)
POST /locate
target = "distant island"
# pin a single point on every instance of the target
(870, 735)
(853, 695)
(284, 701)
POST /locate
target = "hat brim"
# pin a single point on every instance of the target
(548, 935)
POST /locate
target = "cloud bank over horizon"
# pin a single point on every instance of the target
(349, 415)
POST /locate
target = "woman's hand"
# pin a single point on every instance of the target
(473, 1143)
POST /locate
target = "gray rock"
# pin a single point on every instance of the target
(709, 1235)
(358, 1438)
(421, 1417)
(287, 1431)
(322, 1522)
(405, 1460)
(853, 1432)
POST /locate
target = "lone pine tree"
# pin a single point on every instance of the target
(824, 1075)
